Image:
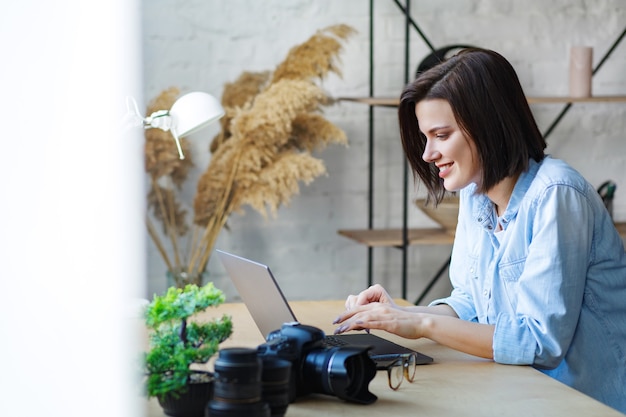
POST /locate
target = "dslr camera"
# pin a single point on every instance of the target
(342, 371)
(292, 363)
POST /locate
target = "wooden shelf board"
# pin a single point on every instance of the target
(393, 237)
(394, 101)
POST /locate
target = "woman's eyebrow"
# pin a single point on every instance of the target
(437, 127)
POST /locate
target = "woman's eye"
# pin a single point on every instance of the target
(441, 136)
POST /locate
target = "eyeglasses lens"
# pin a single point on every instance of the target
(395, 373)
(410, 367)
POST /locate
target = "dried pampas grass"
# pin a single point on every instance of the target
(237, 95)
(316, 57)
(273, 123)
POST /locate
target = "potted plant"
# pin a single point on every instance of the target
(176, 343)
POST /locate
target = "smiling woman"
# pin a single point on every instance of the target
(480, 112)
(533, 241)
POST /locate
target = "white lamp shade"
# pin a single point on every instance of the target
(193, 111)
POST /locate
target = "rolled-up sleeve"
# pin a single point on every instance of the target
(461, 303)
(512, 343)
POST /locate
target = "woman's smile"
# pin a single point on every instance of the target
(444, 169)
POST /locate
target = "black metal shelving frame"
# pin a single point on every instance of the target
(411, 24)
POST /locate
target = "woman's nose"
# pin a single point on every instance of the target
(430, 153)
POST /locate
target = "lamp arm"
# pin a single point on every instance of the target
(159, 119)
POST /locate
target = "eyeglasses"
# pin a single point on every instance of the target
(406, 365)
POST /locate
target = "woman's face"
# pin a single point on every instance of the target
(447, 147)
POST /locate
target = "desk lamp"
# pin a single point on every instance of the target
(188, 114)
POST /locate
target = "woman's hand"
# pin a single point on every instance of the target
(383, 316)
(374, 294)
(438, 323)
(373, 308)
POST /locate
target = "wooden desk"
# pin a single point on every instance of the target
(456, 384)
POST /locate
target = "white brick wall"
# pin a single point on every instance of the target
(201, 45)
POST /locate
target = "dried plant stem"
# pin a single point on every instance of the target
(192, 243)
(216, 222)
(170, 224)
(209, 242)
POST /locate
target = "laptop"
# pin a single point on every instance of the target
(269, 308)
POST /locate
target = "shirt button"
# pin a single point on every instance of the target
(485, 292)
(480, 219)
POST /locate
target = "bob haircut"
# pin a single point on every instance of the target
(489, 106)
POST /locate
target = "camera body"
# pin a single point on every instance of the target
(292, 342)
(315, 368)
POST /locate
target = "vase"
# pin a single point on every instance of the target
(580, 71)
(178, 277)
(191, 402)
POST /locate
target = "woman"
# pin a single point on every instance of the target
(538, 269)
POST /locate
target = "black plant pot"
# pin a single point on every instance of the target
(190, 403)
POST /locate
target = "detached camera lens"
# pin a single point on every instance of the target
(237, 390)
(275, 384)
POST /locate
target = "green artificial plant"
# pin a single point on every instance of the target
(176, 342)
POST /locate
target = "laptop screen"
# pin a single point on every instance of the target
(259, 291)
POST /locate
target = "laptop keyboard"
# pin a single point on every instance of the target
(332, 341)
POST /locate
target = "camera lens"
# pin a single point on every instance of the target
(237, 387)
(357, 377)
(275, 384)
(238, 373)
(342, 371)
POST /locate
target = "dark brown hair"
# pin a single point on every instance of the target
(490, 107)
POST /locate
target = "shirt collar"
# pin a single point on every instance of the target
(484, 209)
(521, 187)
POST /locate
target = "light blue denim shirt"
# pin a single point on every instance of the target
(552, 281)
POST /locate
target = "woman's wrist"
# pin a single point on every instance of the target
(426, 323)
